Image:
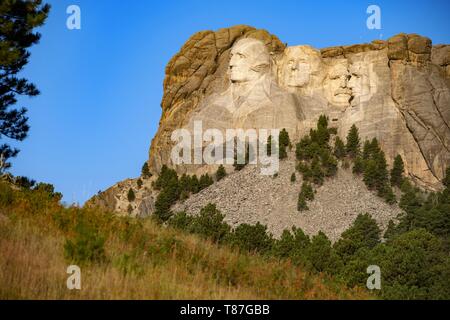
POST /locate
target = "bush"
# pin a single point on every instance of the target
(322, 256)
(205, 181)
(139, 183)
(6, 195)
(292, 244)
(86, 246)
(364, 233)
(145, 171)
(221, 173)
(181, 221)
(209, 224)
(251, 238)
(131, 196)
(293, 178)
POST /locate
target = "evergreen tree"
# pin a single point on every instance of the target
(220, 173)
(358, 166)
(194, 184)
(317, 172)
(364, 233)
(205, 181)
(131, 196)
(339, 148)
(353, 142)
(307, 191)
(145, 171)
(397, 171)
(18, 19)
(293, 178)
(301, 202)
(284, 143)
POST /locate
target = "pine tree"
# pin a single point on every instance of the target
(397, 172)
(339, 148)
(284, 142)
(293, 178)
(353, 142)
(205, 181)
(307, 191)
(220, 173)
(18, 19)
(131, 196)
(145, 171)
(194, 184)
(301, 203)
(358, 166)
(370, 174)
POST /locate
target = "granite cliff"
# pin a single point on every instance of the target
(396, 90)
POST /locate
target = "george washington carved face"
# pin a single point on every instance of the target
(249, 60)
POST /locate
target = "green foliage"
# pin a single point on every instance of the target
(307, 191)
(446, 181)
(181, 221)
(6, 195)
(322, 256)
(301, 203)
(131, 196)
(353, 142)
(139, 183)
(358, 166)
(210, 224)
(364, 233)
(48, 189)
(18, 21)
(284, 142)
(292, 244)
(145, 171)
(339, 148)
(205, 181)
(220, 173)
(86, 246)
(293, 177)
(251, 238)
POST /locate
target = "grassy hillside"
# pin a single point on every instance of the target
(123, 258)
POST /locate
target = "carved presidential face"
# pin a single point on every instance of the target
(249, 60)
(360, 82)
(298, 65)
(336, 84)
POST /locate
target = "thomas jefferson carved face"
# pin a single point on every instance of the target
(298, 65)
(249, 60)
(336, 84)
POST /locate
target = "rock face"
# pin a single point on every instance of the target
(396, 90)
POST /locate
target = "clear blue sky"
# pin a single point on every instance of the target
(102, 85)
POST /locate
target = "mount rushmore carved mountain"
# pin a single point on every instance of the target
(397, 91)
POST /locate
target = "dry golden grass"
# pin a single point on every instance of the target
(143, 261)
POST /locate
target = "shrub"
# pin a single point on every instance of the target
(322, 256)
(205, 181)
(301, 203)
(145, 171)
(131, 196)
(86, 246)
(293, 178)
(221, 173)
(6, 195)
(139, 183)
(364, 233)
(181, 221)
(251, 238)
(209, 224)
